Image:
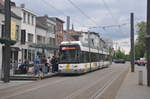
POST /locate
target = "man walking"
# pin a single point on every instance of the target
(36, 65)
(54, 63)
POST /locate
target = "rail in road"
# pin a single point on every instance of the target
(88, 86)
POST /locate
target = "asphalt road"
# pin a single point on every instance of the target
(87, 86)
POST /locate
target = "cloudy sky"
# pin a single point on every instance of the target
(97, 13)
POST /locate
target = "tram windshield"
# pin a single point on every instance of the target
(69, 54)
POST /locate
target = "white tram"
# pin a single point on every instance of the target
(76, 58)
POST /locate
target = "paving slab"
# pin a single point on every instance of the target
(130, 88)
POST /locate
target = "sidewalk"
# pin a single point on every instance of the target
(130, 88)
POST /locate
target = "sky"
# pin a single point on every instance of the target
(97, 13)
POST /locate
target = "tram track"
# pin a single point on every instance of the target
(35, 85)
(93, 90)
(87, 86)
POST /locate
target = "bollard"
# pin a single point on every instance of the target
(140, 77)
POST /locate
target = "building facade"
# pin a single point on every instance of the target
(59, 32)
(45, 36)
(27, 35)
(15, 35)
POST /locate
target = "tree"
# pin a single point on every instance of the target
(119, 54)
(140, 46)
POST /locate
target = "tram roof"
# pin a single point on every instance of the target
(71, 42)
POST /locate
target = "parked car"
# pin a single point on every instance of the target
(119, 61)
(136, 61)
(142, 62)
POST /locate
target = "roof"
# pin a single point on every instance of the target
(56, 19)
(41, 25)
(28, 11)
(12, 14)
(92, 33)
(41, 22)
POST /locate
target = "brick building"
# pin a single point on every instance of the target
(58, 30)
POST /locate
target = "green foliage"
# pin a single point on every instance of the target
(140, 46)
(119, 55)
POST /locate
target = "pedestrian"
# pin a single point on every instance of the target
(57, 63)
(44, 65)
(36, 65)
(48, 63)
(53, 62)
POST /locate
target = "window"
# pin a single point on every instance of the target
(3, 33)
(39, 39)
(23, 36)
(25, 54)
(32, 20)
(52, 41)
(84, 57)
(30, 37)
(43, 40)
(69, 54)
(17, 32)
(28, 18)
(24, 17)
(51, 28)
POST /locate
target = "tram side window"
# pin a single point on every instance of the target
(93, 57)
(87, 56)
(98, 58)
(106, 57)
(99, 55)
(102, 57)
(84, 57)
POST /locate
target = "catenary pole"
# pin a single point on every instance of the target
(7, 38)
(89, 44)
(132, 41)
(148, 43)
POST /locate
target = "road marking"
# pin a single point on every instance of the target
(32, 89)
(85, 88)
(105, 87)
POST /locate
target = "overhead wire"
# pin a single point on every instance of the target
(109, 11)
(60, 11)
(111, 14)
(81, 11)
(97, 26)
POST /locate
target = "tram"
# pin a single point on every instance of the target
(75, 58)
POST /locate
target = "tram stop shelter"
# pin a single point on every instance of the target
(45, 49)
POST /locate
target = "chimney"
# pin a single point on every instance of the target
(68, 23)
(72, 27)
(2, 2)
(22, 5)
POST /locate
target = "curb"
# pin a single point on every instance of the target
(32, 78)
